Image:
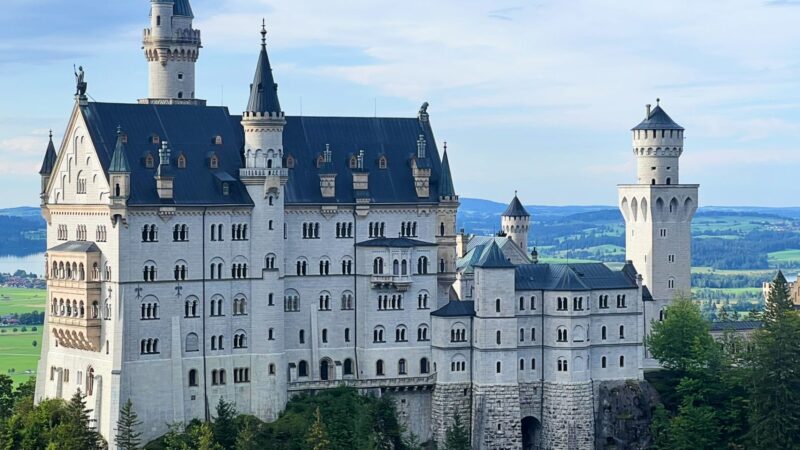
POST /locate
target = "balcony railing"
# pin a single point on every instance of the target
(263, 172)
(408, 382)
(400, 282)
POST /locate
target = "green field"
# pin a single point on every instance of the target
(785, 258)
(18, 356)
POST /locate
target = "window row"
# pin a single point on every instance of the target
(149, 346)
(402, 367)
(408, 229)
(73, 308)
(344, 229)
(75, 271)
(399, 334)
(291, 302)
(532, 303)
(400, 267)
(377, 229)
(311, 230)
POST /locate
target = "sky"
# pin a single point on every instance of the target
(533, 96)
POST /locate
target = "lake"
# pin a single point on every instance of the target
(31, 264)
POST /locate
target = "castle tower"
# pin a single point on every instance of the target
(171, 47)
(265, 178)
(495, 403)
(446, 231)
(658, 213)
(48, 164)
(515, 223)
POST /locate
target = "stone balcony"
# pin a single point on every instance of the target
(399, 282)
(76, 332)
(406, 383)
(263, 172)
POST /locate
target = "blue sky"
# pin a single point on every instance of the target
(536, 96)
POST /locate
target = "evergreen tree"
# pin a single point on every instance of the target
(248, 432)
(695, 428)
(317, 436)
(75, 431)
(779, 300)
(457, 436)
(203, 437)
(6, 396)
(774, 367)
(127, 437)
(225, 424)
(682, 340)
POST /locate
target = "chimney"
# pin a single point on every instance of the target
(164, 175)
(648, 112)
(327, 176)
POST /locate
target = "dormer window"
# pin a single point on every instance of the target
(382, 163)
(213, 162)
(217, 140)
(181, 162)
(290, 162)
(226, 189)
(154, 139)
(353, 162)
(320, 161)
(149, 161)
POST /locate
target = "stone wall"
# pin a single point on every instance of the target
(623, 415)
(530, 400)
(414, 411)
(447, 401)
(496, 417)
(568, 422)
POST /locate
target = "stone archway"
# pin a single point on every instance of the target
(326, 371)
(531, 433)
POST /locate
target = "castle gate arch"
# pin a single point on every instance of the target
(531, 434)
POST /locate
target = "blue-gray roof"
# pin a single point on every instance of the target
(735, 326)
(658, 120)
(50, 157)
(189, 129)
(571, 277)
(493, 258)
(401, 242)
(515, 209)
(76, 247)
(446, 188)
(264, 90)
(456, 308)
(182, 8)
(119, 161)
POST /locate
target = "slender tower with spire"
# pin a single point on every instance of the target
(171, 47)
(515, 223)
(48, 164)
(658, 213)
(446, 233)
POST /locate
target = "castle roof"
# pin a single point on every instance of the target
(572, 277)
(658, 120)
(182, 8)
(264, 90)
(401, 242)
(50, 157)
(515, 209)
(446, 188)
(119, 162)
(493, 258)
(192, 130)
(456, 308)
(76, 247)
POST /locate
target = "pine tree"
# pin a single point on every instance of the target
(203, 437)
(456, 437)
(779, 300)
(317, 435)
(76, 431)
(127, 437)
(225, 429)
(246, 439)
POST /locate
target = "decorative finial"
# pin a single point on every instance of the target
(51, 135)
(119, 130)
(515, 192)
(264, 32)
(445, 146)
(658, 100)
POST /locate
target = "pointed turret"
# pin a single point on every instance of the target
(182, 8)
(493, 258)
(515, 223)
(264, 90)
(49, 158)
(119, 162)
(446, 189)
(120, 171)
(515, 208)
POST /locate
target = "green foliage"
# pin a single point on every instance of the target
(224, 424)
(203, 437)
(127, 438)
(457, 435)
(248, 430)
(779, 301)
(695, 428)
(682, 341)
(317, 436)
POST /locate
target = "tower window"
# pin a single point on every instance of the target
(180, 94)
(158, 21)
(180, 76)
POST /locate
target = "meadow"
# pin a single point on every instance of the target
(19, 351)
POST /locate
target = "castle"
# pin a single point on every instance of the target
(195, 255)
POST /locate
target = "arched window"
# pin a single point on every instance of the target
(302, 369)
(603, 333)
(377, 335)
(498, 337)
(561, 334)
(497, 305)
(622, 331)
(422, 333)
(379, 368)
(522, 303)
(377, 266)
(562, 365)
(192, 343)
(396, 268)
(348, 366)
(193, 378)
(422, 265)
(521, 364)
(400, 334)
(401, 367)
(302, 336)
(499, 367)
(603, 362)
(622, 361)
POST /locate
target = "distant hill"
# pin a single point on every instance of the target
(724, 237)
(25, 212)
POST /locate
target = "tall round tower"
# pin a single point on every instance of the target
(658, 145)
(515, 223)
(171, 47)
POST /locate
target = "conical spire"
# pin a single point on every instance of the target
(264, 91)
(493, 258)
(515, 208)
(446, 188)
(49, 158)
(182, 8)
(119, 162)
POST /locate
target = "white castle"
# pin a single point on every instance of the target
(195, 255)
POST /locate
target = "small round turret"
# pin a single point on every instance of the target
(515, 223)
(657, 144)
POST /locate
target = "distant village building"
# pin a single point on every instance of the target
(196, 255)
(794, 291)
